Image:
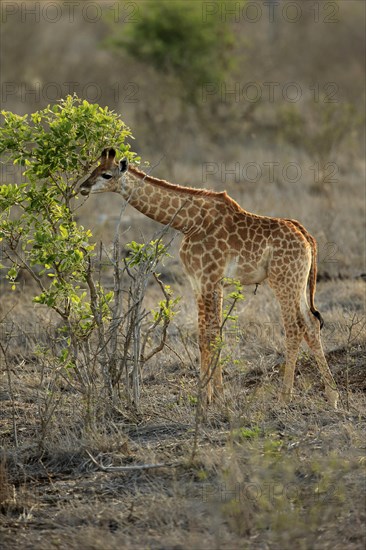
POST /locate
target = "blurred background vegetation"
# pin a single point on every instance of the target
(170, 65)
(265, 99)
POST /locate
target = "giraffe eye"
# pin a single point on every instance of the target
(107, 176)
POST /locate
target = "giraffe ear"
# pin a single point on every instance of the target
(112, 153)
(123, 165)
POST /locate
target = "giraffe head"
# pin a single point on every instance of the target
(108, 176)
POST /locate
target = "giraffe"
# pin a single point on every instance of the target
(222, 240)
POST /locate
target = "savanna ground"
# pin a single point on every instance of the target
(253, 474)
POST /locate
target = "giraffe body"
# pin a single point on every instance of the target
(221, 240)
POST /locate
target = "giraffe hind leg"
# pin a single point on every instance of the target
(295, 330)
(312, 337)
(294, 325)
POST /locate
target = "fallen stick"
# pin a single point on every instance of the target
(134, 467)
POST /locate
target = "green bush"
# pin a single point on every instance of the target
(174, 39)
(56, 147)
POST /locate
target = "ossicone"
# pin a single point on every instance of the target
(108, 153)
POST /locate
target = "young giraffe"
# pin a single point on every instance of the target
(223, 240)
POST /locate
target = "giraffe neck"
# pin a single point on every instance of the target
(180, 207)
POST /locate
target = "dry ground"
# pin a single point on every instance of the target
(254, 474)
(262, 476)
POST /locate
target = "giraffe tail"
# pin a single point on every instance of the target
(316, 313)
(312, 280)
(313, 269)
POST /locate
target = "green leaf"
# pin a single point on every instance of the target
(64, 232)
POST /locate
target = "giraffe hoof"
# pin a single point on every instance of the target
(286, 397)
(333, 396)
(219, 390)
(208, 398)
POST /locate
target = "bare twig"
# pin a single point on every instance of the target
(150, 330)
(11, 393)
(186, 347)
(132, 468)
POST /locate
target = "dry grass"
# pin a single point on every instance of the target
(262, 476)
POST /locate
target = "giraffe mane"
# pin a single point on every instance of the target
(186, 190)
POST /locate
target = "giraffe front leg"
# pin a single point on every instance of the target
(205, 379)
(205, 376)
(209, 322)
